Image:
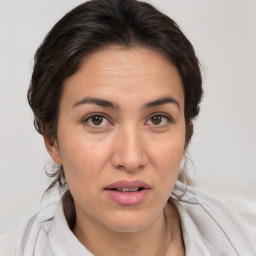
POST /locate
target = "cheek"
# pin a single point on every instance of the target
(82, 163)
(168, 153)
(81, 156)
(169, 159)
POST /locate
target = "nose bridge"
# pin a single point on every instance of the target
(130, 153)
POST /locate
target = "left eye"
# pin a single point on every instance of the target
(96, 120)
(158, 120)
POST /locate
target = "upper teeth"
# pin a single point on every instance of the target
(128, 189)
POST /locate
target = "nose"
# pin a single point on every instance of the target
(129, 150)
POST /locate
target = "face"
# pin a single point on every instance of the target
(121, 137)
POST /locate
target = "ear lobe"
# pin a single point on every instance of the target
(189, 132)
(52, 148)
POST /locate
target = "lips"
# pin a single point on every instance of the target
(128, 184)
(127, 192)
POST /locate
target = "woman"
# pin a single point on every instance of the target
(115, 88)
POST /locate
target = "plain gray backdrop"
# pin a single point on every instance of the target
(223, 147)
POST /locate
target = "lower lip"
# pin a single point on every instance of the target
(127, 198)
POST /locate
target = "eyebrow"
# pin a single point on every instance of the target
(109, 104)
(97, 101)
(162, 101)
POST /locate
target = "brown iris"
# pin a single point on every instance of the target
(97, 120)
(156, 120)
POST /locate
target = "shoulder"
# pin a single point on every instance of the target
(216, 222)
(23, 237)
(8, 241)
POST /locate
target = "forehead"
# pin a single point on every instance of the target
(127, 62)
(115, 71)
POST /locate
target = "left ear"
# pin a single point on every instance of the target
(52, 148)
(189, 132)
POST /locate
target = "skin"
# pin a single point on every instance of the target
(126, 144)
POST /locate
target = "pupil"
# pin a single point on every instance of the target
(97, 120)
(156, 119)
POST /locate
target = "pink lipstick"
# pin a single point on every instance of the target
(128, 193)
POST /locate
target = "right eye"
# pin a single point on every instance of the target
(96, 120)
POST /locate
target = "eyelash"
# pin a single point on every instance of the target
(98, 114)
(87, 118)
(162, 115)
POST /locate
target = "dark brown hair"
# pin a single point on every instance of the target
(94, 25)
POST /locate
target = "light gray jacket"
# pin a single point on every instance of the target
(209, 229)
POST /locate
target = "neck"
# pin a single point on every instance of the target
(102, 241)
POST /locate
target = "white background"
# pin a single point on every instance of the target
(223, 147)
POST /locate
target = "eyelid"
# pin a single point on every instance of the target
(169, 117)
(87, 117)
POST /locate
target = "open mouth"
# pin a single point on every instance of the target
(128, 189)
(128, 193)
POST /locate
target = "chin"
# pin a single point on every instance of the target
(129, 222)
